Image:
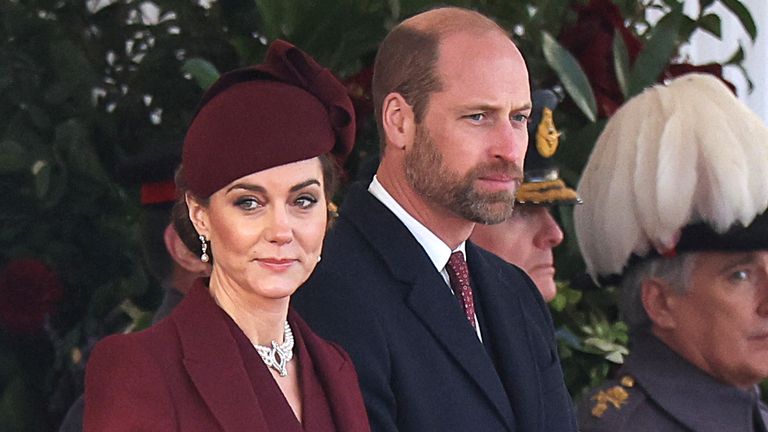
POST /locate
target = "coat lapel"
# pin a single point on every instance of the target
(428, 297)
(673, 383)
(441, 314)
(214, 364)
(508, 327)
(336, 374)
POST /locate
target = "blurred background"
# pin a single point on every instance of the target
(86, 86)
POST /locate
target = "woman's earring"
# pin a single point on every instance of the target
(319, 258)
(204, 244)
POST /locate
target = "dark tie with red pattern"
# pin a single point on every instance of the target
(458, 273)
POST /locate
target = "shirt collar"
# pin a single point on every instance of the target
(438, 251)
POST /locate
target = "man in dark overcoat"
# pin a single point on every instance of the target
(444, 336)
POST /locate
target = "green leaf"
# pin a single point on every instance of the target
(571, 75)
(601, 344)
(5, 79)
(687, 27)
(620, 62)
(745, 73)
(615, 357)
(73, 73)
(737, 57)
(742, 13)
(703, 4)
(573, 296)
(17, 406)
(15, 157)
(658, 50)
(559, 302)
(712, 24)
(39, 117)
(202, 71)
(672, 4)
(565, 335)
(42, 174)
(394, 7)
(72, 142)
(58, 92)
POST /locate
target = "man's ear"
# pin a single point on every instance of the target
(181, 254)
(398, 121)
(198, 214)
(659, 299)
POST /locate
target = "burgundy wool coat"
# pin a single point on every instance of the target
(187, 373)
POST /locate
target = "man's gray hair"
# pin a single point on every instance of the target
(676, 271)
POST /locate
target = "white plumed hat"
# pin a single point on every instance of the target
(682, 166)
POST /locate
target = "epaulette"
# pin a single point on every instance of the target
(616, 396)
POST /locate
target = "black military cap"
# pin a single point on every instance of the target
(542, 184)
(153, 169)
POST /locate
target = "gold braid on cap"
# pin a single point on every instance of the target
(546, 192)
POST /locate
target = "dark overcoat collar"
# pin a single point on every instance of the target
(674, 383)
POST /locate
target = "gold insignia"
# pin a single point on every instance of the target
(627, 381)
(333, 208)
(333, 213)
(547, 136)
(615, 396)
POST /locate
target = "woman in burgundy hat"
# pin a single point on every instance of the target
(257, 175)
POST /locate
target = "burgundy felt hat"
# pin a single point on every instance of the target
(285, 110)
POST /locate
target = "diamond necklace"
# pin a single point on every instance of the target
(278, 356)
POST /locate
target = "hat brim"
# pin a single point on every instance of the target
(701, 237)
(551, 192)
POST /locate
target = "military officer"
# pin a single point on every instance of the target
(675, 210)
(527, 238)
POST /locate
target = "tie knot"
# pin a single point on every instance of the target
(456, 262)
(458, 274)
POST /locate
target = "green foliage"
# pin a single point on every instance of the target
(571, 75)
(654, 57)
(621, 64)
(742, 13)
(593, 342)
(84, 87)
(202, 71)
(340, 34)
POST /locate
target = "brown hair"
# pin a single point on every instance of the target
(407, 57)
(180, 211)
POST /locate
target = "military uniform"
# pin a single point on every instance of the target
(659, 391)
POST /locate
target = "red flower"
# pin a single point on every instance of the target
(359, 90)
(590, 40)
(716, 69)
(29, 291)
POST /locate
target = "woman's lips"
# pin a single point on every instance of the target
(277, 264)
(759, 336)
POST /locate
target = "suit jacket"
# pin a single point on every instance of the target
(186, 373)
(421, 365)
(657, 390)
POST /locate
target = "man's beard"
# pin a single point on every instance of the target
(426, 174)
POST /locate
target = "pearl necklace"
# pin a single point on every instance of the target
(278, 356)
